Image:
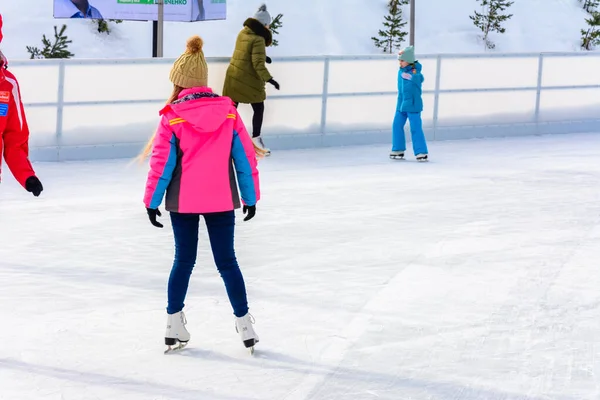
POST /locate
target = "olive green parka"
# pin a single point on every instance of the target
(247, 73)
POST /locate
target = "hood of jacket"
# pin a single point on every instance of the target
(259, 29)
(200, 107)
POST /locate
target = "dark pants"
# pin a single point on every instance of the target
(257, 119)
(220, 231)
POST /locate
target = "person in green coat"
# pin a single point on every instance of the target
(247, 73)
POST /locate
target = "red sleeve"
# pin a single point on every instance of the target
(16, 135)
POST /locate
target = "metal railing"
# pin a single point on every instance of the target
(325, 100)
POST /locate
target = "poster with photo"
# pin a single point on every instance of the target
(207, 10)
(142, 10)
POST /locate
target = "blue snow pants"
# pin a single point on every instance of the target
(416, 130)
(220, 228)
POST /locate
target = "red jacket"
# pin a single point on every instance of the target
(14, 132)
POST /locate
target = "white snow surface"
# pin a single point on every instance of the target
(311, 27)
(474, 276)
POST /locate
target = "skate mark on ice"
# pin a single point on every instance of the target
(335, 352)
(151, 282)
(527, 310)
(113, 382)
(340, 344)
(528, 287)
(271, 360)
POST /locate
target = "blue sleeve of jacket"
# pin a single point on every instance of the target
(418, 79)
(243, 170)
(400, 81)
(167, 171)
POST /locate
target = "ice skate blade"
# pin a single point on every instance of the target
(397, 157)
(175, 349)
(251, 350)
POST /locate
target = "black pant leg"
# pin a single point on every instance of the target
(257, 119)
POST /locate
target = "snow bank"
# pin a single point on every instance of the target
(310, 27)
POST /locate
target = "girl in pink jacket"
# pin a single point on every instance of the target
(199, 149)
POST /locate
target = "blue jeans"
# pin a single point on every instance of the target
(220, 228)
(416, 130)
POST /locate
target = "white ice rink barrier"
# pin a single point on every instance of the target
(87, 109)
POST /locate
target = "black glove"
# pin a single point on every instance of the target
(269, 61)
(152, 214)
(274, 83)
(251, 212)
(33, 185)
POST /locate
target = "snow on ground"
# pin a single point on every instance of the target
(471, 277)
(311, 27)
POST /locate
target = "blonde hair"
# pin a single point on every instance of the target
(260, 153)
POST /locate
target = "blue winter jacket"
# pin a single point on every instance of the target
(410, 93)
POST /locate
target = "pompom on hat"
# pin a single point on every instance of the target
(190, 69)
(263, 16)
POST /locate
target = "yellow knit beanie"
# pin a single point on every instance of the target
(190, 69)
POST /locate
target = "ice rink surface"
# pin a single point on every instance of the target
(474, 276)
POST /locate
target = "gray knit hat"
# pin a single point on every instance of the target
(263, 16)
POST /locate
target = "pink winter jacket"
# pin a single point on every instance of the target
(200, 146)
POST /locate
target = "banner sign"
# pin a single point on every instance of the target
(142, 10)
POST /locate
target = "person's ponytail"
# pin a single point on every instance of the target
(148, 148)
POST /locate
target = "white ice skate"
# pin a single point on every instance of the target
(422, 157)
(176, 337)
(259, 142)
(244, 327)
(397, 155)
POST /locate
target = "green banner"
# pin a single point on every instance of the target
(135, 1)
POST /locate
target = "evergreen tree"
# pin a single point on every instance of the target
(590, 36)
(275, 25)
(58, 49)
(391, 36)
(590, 5)
(491, 19)
(103, 25)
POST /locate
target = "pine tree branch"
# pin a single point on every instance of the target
(392, 35)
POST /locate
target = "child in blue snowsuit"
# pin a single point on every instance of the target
(410, 106)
